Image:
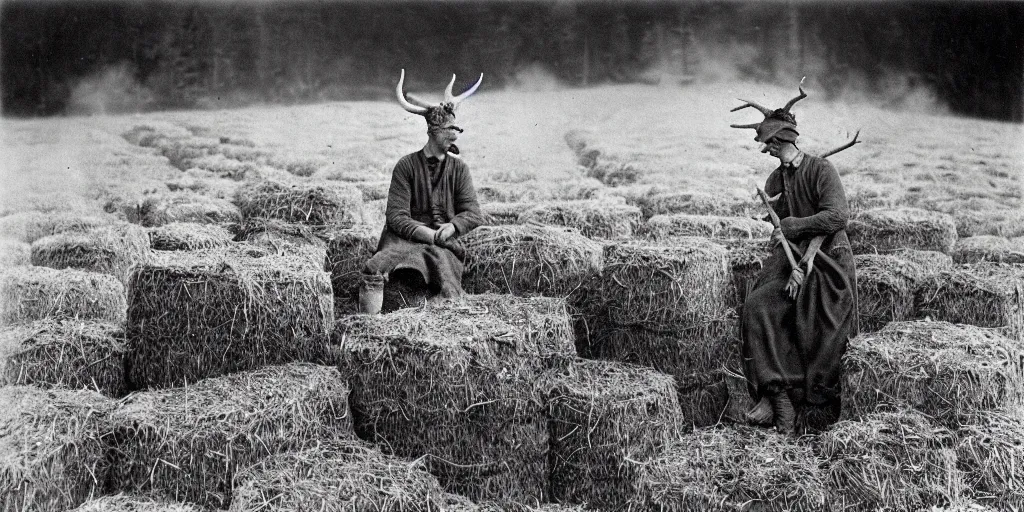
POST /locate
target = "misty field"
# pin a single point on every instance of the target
(595, 360)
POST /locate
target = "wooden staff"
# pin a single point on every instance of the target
(778, 225)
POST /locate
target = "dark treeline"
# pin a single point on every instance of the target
(59, 57)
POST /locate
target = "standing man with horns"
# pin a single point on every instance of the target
(797, 320)
(431, 202)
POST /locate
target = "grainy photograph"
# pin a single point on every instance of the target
(503, 255)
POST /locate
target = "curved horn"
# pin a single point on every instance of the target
(794, 100)
(754, 125)
(409, 107)
(844, 146)
(763, 110)
(469, 92)
(415, 100)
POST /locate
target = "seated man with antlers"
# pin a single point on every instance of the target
(799, 316)
(431, 202)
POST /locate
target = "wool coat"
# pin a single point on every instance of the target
(414, 200)
(798, 345)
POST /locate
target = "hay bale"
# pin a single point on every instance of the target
(989, 452)
(594, 219)
(666, 288)
(373, 190)
(301, 241)
(14, 253)
(885, 289)
(186, 443)
(347, 253)
(527, 260)
(946, 371)
(157, 210)
(199, 314)
(456, 387)
(984, 294)
(327, 204)
(746, 259)
(886, 230)
(30, 226)
(126, 503)
(544, 321)
(889, 461)
(997, 222)
(111, 250)
(988, 248)
(336, 477)
(65, 354)
(188, 236)
(456, 503)
(727, 469)
(661, 227)
(374, 214)
(605, 420)
(52, 448)
(33, 293)
(657, 202)
(930, 262)
(498, 214)
(703, 398)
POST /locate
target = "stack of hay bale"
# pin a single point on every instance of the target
(187, 443)
(667, 308)
(32, 293)
(456, 386)
(940, 403)
(198, 314)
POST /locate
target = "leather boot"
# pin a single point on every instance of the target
(785, 414)
(760, 413)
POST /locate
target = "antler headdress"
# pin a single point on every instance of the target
(774, 120)
(439, 114)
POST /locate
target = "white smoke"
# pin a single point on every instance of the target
(113, 90)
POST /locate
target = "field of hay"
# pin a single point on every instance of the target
(221, 367)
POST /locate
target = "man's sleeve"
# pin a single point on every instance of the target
(467, 208)
(833, 210)
(398, 212)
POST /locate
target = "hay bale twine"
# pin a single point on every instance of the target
(528, 260)
(885, 289)
(988, 248)
(33, 293)
(188, 236)
(347, 253)
(728, 469)
(126, 503)
(545, 321)
(336, 477)
(454, 386)
(665, 288)
(593, 219)
(328, 204)
(746, 259)
(186, 443)
(14, 253)
(605, 421)
(886, 230)
(53, 449)
(500, 214)
(30, 226)
(889, 461)
(661, 227)
(989, 452)
(983, 294)
(199, 314)
(111, 250)
(64, 354)
(947, 371)
(157, 210)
